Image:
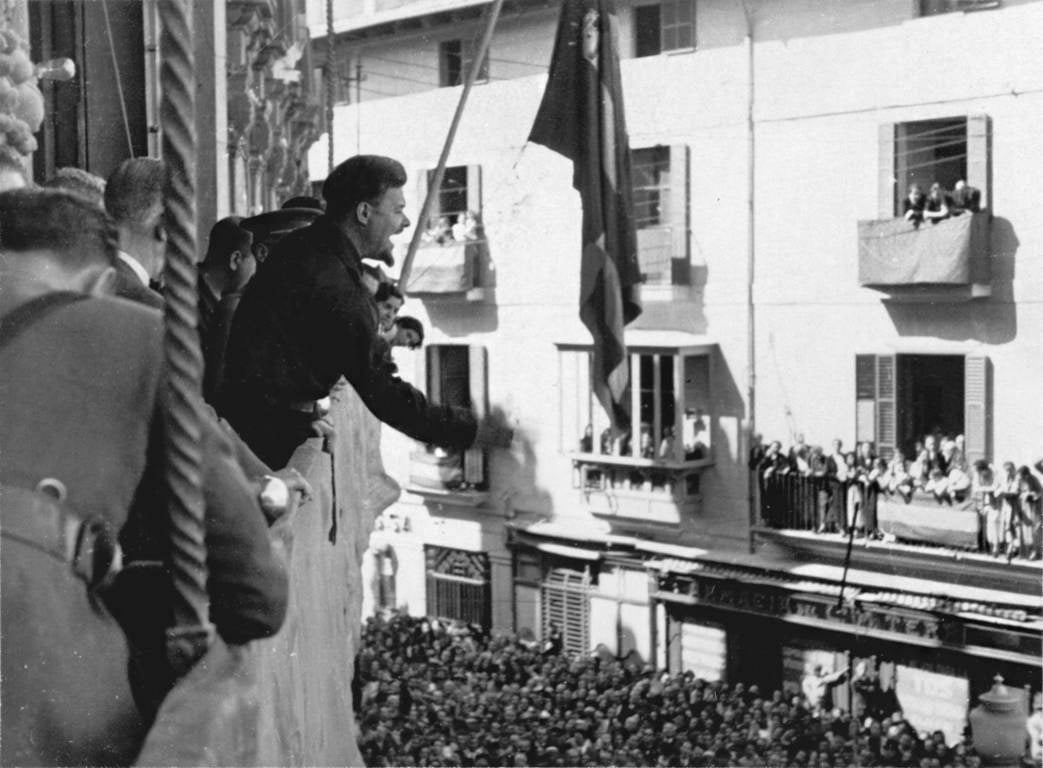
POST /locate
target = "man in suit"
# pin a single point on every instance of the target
(81, 418)
(306, 320)
(224, 272)
(134, 200)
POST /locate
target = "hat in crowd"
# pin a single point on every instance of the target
(270, 226)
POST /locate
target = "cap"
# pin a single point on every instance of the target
(270, 226)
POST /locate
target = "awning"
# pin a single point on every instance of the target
(893, 252)
(563, 550)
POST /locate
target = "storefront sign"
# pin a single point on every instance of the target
(864, 617)
(932, 701)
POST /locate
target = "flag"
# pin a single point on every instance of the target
(581, 117)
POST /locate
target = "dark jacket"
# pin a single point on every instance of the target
(304, 321)
(80, 403)
(129, 286)
(215, 323)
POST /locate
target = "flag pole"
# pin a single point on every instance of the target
(436, 183)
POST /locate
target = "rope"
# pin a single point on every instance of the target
(331, 74)
(119, 78)
(190, 635)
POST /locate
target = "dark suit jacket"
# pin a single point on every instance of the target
(304, 321)
(81, 403)
(128, 286)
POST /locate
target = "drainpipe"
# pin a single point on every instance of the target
(751, 251)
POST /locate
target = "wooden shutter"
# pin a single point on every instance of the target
(886, 176)
(565, 601)
(865, 399)
(474, 188)
(680, 215)
(434, 373)
(979, 143)
(976, 411)
(886, 417)
(474, 458)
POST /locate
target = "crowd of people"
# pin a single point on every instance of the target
(849, 485)
(290, 302)
(938, 203)
(441, 693)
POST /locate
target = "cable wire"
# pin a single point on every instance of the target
(119, 78)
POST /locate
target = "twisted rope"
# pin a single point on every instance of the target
(331, 74)
(191, 632)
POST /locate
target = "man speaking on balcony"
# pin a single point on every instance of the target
(306, 319)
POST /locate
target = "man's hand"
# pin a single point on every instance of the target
(322, 428)
(494, 431)
(295, 482)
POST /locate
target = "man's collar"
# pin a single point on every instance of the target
(135, 267)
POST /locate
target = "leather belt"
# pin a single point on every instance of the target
(38, 519)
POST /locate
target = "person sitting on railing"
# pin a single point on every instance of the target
(900, 479)
(306, 320)
(964, 197)
(913, 205)
(936, 207)
(466, 227)
(987, 501)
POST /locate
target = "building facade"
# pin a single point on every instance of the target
(772, 147)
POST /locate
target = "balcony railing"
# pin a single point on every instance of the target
(948, 259)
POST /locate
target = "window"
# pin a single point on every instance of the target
(565, 604)
(660, 188)
(455, 58)
(935, 7)
(901, 398)
(945, 150)
(453, 257)
(669, 395)
(456, 376)
(664, 26)
(458, 585)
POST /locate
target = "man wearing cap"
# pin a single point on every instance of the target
(270, 227)
(306, 320)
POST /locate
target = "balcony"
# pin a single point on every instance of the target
(450, 271)
(448, 478)
(805, 518)
(947, 261)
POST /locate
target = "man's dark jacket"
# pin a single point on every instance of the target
(304, 321)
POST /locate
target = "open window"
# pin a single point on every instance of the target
(452, 255)
(651, 471)
(661, 213)
(455, 59)
(899, 399)
(664, 26)
(456, 375)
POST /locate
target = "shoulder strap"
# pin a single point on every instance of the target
(24, 315)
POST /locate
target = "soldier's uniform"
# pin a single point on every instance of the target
(79, 404)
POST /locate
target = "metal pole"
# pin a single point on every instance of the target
(436, 182)
(190, 636)
(751, 261)
(331, 83)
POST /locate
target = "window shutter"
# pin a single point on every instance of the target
(474, 188)
(885, 405)
(434, 374)
(474, 458)
(421, 194)
(976, 416)
(865, 398)
(565, 601)
(886, 182)
(979, 141)
(680, 215)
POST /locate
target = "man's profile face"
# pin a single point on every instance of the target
(387, 217)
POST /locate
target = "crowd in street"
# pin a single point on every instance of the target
(844, 489)
(440, 693)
